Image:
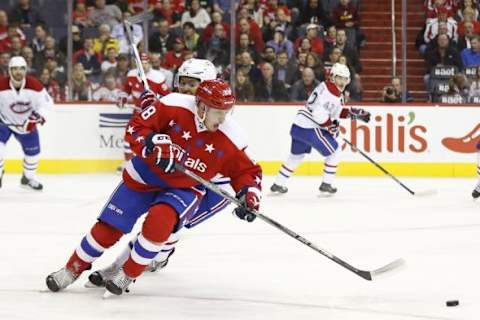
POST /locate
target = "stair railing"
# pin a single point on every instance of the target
(394, 41)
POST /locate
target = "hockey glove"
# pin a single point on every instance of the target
(250, 199)
(161, 148)
(122, 100)
(147, 98)
(334, 128)
(359, 114)
(31, 123)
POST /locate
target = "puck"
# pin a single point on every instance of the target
(452, 303)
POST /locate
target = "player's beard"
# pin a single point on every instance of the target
(17, 80)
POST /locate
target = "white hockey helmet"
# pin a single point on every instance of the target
(17, 61)
(200, 69)
(341, 70)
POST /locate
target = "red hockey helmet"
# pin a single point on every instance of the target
(216, 94)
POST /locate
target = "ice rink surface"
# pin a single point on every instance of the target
(229, 269)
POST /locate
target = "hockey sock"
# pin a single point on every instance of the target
(156, 229)
(167, 247)
(101, 237)
(330, 166)
(30, 164)
(288, 168)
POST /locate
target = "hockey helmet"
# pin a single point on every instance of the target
(200, 69)
(216, 94)
(17, 61)
(341, 70)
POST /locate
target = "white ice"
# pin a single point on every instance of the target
(229, 269)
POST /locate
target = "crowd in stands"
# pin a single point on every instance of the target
(450, 45)
(283, 48)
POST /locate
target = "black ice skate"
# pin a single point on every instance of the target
(100, 277)
(1, 177)
(31, 184)
(476, 192)
(60, 280)
(157, 265)
(278, 188)
(119, 283)
(327, 189)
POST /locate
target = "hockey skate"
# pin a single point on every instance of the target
(157, 265)
(275, 188)
(119, 283)
(476, 192)
(327, 189)
(97, 279)
(1, 177)
(61, 279)
(31, 184)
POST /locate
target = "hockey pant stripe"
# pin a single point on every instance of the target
(327, 144)
(207, 214)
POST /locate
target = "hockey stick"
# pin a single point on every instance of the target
(367, 275)
(376, 164)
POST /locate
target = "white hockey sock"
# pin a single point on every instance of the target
(330, 166)
(30, 164)
(288, 168)
(2, 152)
(167, 247)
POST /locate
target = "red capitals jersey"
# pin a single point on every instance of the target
(207, 153)
(156, 81)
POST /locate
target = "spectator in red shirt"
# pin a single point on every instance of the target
(315, 41)
(174, 58)
(3, 26)
(136, 6)
(217, 18)
(81, 15)
(168, 12)
(468, 16)
(12, 31)
(251, 28)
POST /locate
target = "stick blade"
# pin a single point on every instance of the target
(425, 193)
(141, 17)
(388, 269)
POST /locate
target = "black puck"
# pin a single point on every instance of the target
(452, 303)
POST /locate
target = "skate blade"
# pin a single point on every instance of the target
(30, 188)
(425, 193)
(90, 285)
(325, 194)
(107, 294)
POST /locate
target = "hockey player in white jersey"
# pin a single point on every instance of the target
(316, 126)
(476, 191)
(23, 105)
(190, 74)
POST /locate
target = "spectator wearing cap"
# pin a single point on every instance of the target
(302, 88)
(217, 18)
(432, 28)
(190, 36)
(81, 15)
(345, 16)
(175, 57)
(217, 49)
(52, 86)
(197, 15)
(471, 56)
(103, 13)
(118, 33)
(254, 33)
(281, 43)
(267, 88)
(25, 15)
(162, 39)
(104, 41)
(285, 69)
(312, 11)
(88, 58)
(315, 41)
(77, 41)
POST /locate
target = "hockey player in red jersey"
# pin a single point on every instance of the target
(195, 131)
(133, 88)
(23, 104)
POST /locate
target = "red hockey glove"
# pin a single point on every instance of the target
(147, 98)
(250, 199)
(359, 114)
(31, 123)
(161, 148)
(122, 100)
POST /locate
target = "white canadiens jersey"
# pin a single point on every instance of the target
(325, 102)
(16, 106)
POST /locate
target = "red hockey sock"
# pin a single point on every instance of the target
(104, 235)
(157, 227)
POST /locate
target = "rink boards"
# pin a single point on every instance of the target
(408, 140)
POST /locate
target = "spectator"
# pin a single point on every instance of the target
(156, 62)
(348, 50)
(121, 70)
(458, 88)
(32, 65)
(315, 41)
(38, 41)
(172, 15)
(393, 92)
(244, 45)
(465, 41)
(217, 49)
(88, 58)
(333, 58)
(77, 41)
(302, 88)
(16, 46)
(284, 21)
(432, 7)
(4, 59)
(432, 28)
(3, 26)
(467, 4)
(82, 88)
(119, 33)
(56, 72)
(111, 61)
(269, 55)
(468, 17)
(191, 38)
(471, 56)
(105, 41)
(475, 86)
(197, 15)
(217, 18)
(281, 43)
(313, 12)
(345, 16)
(50, 51)
(249, 68)
(162, 40)
(24, 15)
(443, 54)
(268, 89)
(108, 91)
(136, 6)
(51, 85)
(244, 90)
(330, 39)
(285, 69)
(174, 58)
(253, 31)
(354, 90)
(102, 13)
(315, 63)
(81, 15)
